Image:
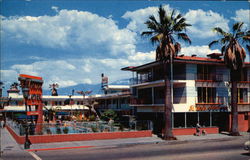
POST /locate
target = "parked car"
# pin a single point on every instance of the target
(247, 146)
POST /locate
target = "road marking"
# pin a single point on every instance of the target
(35, 156)
(48, 149)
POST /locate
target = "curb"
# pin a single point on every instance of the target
(61, 148)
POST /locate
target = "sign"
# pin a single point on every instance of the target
(207, 108)
(32, 113)
(34, 99)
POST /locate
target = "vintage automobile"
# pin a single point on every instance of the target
(247, 146)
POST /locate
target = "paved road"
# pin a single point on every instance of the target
(225, 149)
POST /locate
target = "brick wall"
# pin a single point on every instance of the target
(191, 131)
(79, 137)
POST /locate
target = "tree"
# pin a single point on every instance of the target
(234, 57)
(164, 32)
(108, 114)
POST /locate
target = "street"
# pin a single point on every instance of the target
(227, 149)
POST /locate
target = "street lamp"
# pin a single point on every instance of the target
(25, 96)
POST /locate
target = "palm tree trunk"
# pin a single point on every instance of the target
(234, 108)
(168, 104)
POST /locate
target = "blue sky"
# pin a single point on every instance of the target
(73, 41)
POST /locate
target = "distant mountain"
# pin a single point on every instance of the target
(121, 82)
(95, 88)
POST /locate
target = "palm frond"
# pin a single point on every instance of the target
(177, 48)
(213, 43)
(237, 27)
(220, 31)
(184, 36)
(147, 33)
(162, 14)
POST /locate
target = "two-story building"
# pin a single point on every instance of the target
(201, 93)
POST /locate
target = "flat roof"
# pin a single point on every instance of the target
(182, 59)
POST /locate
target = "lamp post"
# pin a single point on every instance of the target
(25, 96)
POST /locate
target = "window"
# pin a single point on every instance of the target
(159, 95)
(242, 95)
(45, 103)
(204, 118)
(179, 120)
(205, 72)
(179, 94)
(179, 71)
(145, 96)
(206, 95)
(192, 119)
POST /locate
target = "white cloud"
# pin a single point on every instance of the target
(242, 15)
(87, 81)
(139, 17)
(140, 56)
(200, 51)
(202, 23)
(55, 8)
(70, 29)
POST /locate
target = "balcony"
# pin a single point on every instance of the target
(209, 78)
(141, 101)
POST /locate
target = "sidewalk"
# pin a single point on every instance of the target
(10, 149)
(127, 141)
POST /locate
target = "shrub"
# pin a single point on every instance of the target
(65, 130)
(109, 114)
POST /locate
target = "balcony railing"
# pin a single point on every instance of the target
(210, 77)
(211, 100)
(136, 101)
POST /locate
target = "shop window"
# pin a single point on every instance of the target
(192, 119)
(45, 103)
(204, 119)
(206, 95)
(242, 95)
(246, 116)
(179, 120)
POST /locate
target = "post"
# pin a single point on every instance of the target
(27, 141)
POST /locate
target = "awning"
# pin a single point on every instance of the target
(62, 113)
(19, 117)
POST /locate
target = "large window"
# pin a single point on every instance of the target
(145, 96)
(179, 94)
(206, 95)
(159, 95)
(179, 71)
(179, 120)
(192, 119)
(206, 72)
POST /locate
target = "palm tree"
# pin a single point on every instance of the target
(234, 57)
(164, 31)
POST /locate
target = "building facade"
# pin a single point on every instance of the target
(63, 107)
(201, 93)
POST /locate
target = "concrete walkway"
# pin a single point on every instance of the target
(127, 141)
(10, 150)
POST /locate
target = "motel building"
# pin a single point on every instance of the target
(65, 107)
(201, 93)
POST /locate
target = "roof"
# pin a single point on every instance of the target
(118, 87)
(185, 59)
